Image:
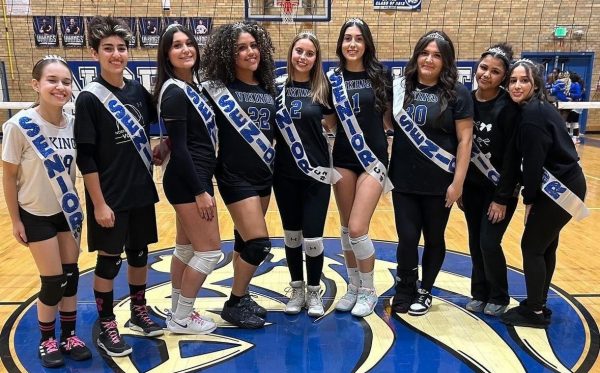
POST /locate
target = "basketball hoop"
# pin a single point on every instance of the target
(288, 9)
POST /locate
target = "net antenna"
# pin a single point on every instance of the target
(289, 9)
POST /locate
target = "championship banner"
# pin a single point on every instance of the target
(131, 22)
(44, 29)
(150, 30)
(201, 27)
(410, 5)
(73, 31)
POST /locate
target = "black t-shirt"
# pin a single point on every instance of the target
(543, 141)
(307, 116)
(410, 170)
(495, 123)
(124, 179)
(362, 99)
(193, 159)
(237, 159)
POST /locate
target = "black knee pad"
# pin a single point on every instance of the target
(107, 266)
(52, 290)
(71, 270)
(238, 243)
(256, 250)
(137, 258)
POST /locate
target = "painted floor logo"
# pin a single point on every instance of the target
(448, 338)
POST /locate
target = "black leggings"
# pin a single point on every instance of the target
(540, 242)
(414, 214)
(488, 278)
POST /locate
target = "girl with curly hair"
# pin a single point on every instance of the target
(431, 150)
(239, 68)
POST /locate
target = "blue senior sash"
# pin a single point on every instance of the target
(563, 196)
(484, 165)
(368, 160)
(432, 151)
(126, 120)
(285, 124)
(241, 122)
(57, 173)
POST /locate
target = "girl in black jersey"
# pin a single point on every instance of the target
(546, 149)
(426, 180)
(358, 192)
(489, 198)
(239, 58)
(187, 180)
(303, 196)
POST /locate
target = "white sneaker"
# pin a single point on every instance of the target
(365, 304)
(314, 304)
(296, 302)
(193, 324)
(347, 302)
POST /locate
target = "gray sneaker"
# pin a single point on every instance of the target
(348, 300)
(296, 302)
(494, 309)
(314, 304)
(475, 306)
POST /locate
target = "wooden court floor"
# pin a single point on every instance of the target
(577, 273)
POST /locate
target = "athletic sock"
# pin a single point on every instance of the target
(104, 303)
(185, 306)
(137, 294)
(174, 298)
(47, 329)
(293, 256)
(67, 324)
(367, 280)
(353, 276)
(314, 269)
(233, 300)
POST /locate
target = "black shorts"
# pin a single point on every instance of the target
(40, 228)
(573, 117)
(177, 191)
(232, 194)
(133, 230)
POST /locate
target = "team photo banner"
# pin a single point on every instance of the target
(44, 29)
(409, 5)
(73, 31)
(150, 30)
(201, 27)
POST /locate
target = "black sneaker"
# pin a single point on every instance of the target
(421, 304)
(141, 322)
(255, 308)
(241, 316)
(547, 312)
(50, 354)
(110, 340)
(406, 292)
(75, 348)
(524, 316)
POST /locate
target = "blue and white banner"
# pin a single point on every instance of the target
(150, 30)
(201, 27)
(563, 196)
(73, 31)
(411, 5)
(44, 29)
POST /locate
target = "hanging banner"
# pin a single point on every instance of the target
(131, 22)
(410, 5)
(73, 31)
(44, 29)
(168, 21)
(150, 29)
(201, 27)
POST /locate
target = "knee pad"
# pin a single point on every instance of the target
(238, 243)
(345, 239)
(256, 250)
(313, 247)
(107, 266)
(362, 247)
(71, 271)
(292, 239)
(205, 261)
(52, 290)
(183, 252)
(137, 258)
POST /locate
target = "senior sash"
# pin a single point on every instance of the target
(484, 165)
(563, 197)
(57, 173)
(126, 120)
(368, 160)
(326, 175)
(432, 151)
(241, 122)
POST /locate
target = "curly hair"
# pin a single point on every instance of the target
(101, 27)
(218, 56)
(535, 73)
(449, 74)
(503, 52)
(373, 67)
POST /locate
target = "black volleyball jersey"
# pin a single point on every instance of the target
(362, 99)
(236, 157)
(410, 170)
(124, 179)
(494, 128)
(192, 153)
(307, 116)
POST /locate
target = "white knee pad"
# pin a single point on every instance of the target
(362, 247)
(292, 239)
(183, 252)
(205, 261)
(345, 239)
(313, 247)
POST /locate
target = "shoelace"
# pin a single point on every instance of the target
(142, 313)
(50, 345)
(312, 298)
(111, 329)
(196, 318)
(73, 342)
(349, 294)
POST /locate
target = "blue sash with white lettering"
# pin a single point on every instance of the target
(371, 164)
(126, 120)
(286, 126)
(57, 173)
(432, 151)
(484, 165)
(559, 193)
(241, 122)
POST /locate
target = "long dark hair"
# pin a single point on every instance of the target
(502, 51)
(373, 67)
(164, 69)
(448, 75)
(534, 71)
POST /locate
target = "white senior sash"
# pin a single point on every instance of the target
(126, 120)
(326, 175)
(57, 173)
(484, 165)
(432, 151)
(559, 193)
(241, 122)
(368, 160)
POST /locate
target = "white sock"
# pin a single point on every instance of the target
(354, 276)
(185, 306)
(175, 293)
(367, 280)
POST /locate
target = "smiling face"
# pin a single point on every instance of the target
(490, 73)
(353, 45)
(429, 63)
(304, 55)
(247, 54)
(520, 85)
(54, 86)
(182, 54)
(112, 55)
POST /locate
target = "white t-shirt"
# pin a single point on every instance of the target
(35, 194)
